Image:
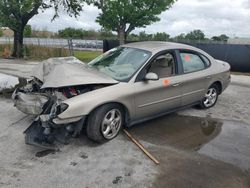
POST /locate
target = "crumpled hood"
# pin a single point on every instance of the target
(68, 71)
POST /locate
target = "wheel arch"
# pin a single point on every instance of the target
(219, 85)
(123, 106)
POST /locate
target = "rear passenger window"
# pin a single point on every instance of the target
(191, 62)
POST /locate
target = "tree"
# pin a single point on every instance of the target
(181, 36)
(1, 32)
(161, 36)
(87, 34)
(195, 35)
(143, 36)
(133, 37)
(27, 31)
(71, 33)
(123, 16)
(222, 37)
(105, 33)
(15, 14)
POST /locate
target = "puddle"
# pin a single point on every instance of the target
(228, 141)
(45, 152)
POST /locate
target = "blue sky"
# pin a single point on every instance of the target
(214, 17)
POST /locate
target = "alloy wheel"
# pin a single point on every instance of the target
(210, 97)
(111, 123)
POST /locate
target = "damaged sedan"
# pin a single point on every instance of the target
(124, 86)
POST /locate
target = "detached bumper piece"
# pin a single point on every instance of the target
(47, 138)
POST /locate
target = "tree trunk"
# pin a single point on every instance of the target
(121, 36)
(125, 37)
(18, 43)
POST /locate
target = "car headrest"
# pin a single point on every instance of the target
(165, 60)
(169, 58)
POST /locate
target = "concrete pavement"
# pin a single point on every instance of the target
(196, 148)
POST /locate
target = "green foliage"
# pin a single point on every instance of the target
(222, 37)
(123, 16)
(85, 34)
(181, 36)
(27, 31)
(12, 11)
(15, 14)
(106, 34)
(161, 36)
(70, 33)
(133, 37)
(195, 35)
(1, 32)
(143, 36)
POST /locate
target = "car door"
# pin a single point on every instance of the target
(153, 97)
(196, 76)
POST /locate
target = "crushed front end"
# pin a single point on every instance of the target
(46, 135)
(46, 105)
(51, 83)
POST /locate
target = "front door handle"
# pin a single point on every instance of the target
(208, 77)
(176, 85)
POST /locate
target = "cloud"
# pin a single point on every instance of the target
(214, 17)
(86, 20)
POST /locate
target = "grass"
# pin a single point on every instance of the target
(86, 56)
(34, 52)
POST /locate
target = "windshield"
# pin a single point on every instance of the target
(121, 63)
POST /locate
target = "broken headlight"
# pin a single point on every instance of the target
(61, 108)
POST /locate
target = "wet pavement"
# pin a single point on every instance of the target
(44, 153)
(228, 141)
(209, 151)
(197, 152)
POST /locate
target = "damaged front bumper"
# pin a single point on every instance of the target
(48, 135)
(29, 103)
(48, 128)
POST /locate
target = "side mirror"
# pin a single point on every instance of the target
(151, 76)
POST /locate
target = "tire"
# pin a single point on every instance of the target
(210, 98)
(105, 123)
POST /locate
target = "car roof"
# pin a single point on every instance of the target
(156, 46)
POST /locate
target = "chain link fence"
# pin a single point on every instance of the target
(74, 44)
(43, 48)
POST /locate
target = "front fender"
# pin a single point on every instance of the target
(82, 105)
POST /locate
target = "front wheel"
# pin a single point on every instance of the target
(105, 123)
(210, 98)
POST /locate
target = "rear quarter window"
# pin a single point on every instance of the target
(206, 60)
(191, 62)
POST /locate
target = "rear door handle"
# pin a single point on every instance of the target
(176, 85)
(208, 77)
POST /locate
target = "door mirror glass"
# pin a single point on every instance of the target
(151, 76)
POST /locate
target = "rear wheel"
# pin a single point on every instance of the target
(105, 122)
(211, 97)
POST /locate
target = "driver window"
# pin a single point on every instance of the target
(163, 65)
